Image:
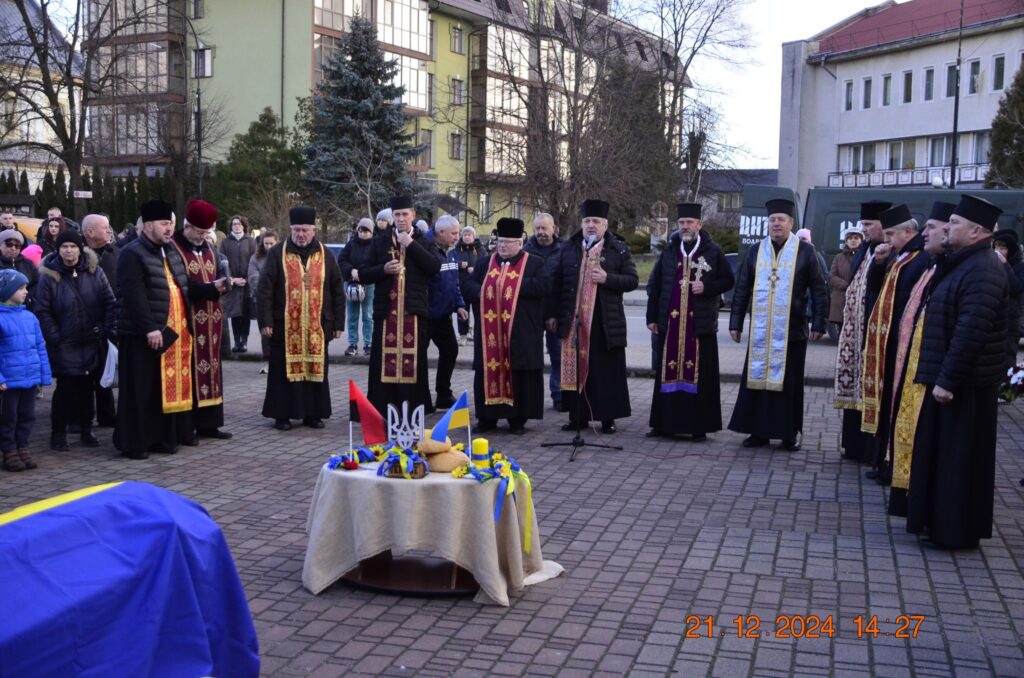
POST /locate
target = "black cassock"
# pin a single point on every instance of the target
(684, 413)
(527, 343)
(297, 399)
(606, 392)
(952, 474)
(142, 425)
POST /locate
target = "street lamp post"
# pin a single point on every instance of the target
(199, 100)
(956, 101)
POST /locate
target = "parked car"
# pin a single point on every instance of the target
(733, 258)
(335, 248)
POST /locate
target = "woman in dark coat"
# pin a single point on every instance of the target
(840, 274)
(75, 307)
(48, 232)
(267, 240)
(353, 258)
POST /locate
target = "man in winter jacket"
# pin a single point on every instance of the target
(962, 361)
(544, 243)
(445, 298)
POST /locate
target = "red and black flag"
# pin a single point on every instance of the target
(362, 410)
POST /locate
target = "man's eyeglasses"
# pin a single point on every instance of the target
(12, 244)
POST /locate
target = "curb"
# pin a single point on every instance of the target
(632, 372)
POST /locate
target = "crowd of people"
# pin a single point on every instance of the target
(928, 319)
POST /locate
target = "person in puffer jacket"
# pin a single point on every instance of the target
(24, 367)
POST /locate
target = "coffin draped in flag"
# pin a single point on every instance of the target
(125, 579)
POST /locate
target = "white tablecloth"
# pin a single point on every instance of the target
(356, 515)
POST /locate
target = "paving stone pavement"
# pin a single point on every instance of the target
(650, 536)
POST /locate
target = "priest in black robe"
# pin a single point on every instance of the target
(897, 266)
(683, 298)
(507, 294)
(860, 301)
(301, 307)
(952, 476)
(773, 284)
(589, 274)
(155, 387)
(401, 266)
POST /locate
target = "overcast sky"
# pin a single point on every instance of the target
(748, 97)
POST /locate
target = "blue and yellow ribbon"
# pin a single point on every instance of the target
(405, 460)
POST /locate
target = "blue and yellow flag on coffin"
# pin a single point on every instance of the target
(457, 416)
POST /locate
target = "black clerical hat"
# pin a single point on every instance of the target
(781, 206)
(302, 215)
(981, 212)
(894, 216)
(688, 210)
(401, 202)
(510, 228)
(941, 211)
(156, 210)
(870, 210)
(594, 208)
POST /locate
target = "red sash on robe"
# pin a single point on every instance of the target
(303, 306)
(680, 358)
(586, 297)
(498, 298)
(879, 325)
(207, 326)
(401, 332)
(176, 360)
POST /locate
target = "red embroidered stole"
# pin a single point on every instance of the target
(875, 342)
(498, 299)
(681, 353)
(586, 297)
(207, 327)
(176, 360)
(303, 306)
(401, 332)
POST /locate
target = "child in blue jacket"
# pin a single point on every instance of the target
(24, 366)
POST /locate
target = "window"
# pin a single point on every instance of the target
(886, 90)
(517, 208)
(998, 72)
(901, 154)
(458, 91)
(862, 158)
(335, 14)
(484, 208)
(456, 149)
(729, 201)
(414, 80)
(202, 62)
(929, 84)
(197, 9)
(640, 50)
(952, 79)
(974, 78)
(848, 105)
(866, 102)
(403, 23)
(458, 40)
(908, 86)
(430, 37)
(324, 47)
(503, 5)
(426, 156)
(940, 151)
(982, 146)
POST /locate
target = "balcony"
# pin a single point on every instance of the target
(921, 176)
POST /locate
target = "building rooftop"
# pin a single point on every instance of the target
(733, 180)
(890, 22)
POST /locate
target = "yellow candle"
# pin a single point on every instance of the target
(481, 453)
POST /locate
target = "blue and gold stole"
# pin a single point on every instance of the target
(769, 315)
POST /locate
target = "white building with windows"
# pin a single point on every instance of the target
(869, 102)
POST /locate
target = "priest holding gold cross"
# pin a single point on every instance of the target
(773, 283)
(682, 314)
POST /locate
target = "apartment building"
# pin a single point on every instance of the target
(869, 102)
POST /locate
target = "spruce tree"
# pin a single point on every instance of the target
(5, 187)
(23, 188)
(131, 204)
(359, 145)
(60, 189)
(1006, 157)
(48, 193)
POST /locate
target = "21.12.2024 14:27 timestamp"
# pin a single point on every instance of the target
(805, 626)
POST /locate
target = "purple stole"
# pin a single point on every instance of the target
(681, 354)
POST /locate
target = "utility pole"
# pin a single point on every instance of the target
(956, 101)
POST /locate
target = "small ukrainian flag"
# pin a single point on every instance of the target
(457, 416)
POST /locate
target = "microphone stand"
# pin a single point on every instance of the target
(577, 442)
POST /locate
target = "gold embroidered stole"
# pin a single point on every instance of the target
(498, 299)
(907, 396)
(875, 344)
(586, 298)
(400, 338)
(176, 360)
(848, 391)
(207, 327)
(304, 339)
(774, 275)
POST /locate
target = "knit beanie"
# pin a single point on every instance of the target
(11, 280)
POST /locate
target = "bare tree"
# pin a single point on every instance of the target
(62, 62)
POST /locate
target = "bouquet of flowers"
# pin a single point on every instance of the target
(1013, 386)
